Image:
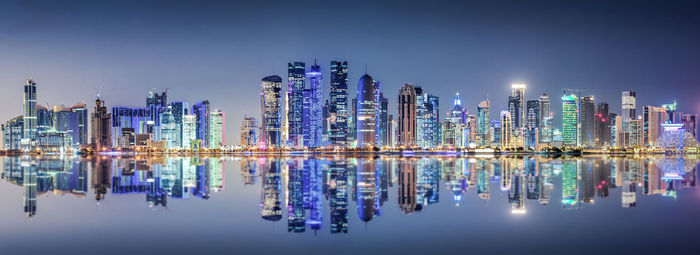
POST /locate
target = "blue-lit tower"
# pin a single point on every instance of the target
(295, 102)
(338, 104)
(313, 109)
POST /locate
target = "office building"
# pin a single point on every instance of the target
(217, 129)
(338, 104)
(249, 132)
(602, 125)
(312, 112)
(270, 102)
(366, 112)
(29, 118)
(203, 113)
(189, 130)
(587, 115)
(652, 118)
(407, 115)
(516, 105)
(295, 105)
(101, 128)
(570, 120)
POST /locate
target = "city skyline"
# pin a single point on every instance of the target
(71, 67)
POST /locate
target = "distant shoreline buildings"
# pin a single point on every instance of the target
(304, 120)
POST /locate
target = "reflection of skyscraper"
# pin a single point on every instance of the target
(313, 166)
(272, 210)
(295, 201)
(407, 186)
(569, 184)
(366, 185)
(338, 196)
(29, 182)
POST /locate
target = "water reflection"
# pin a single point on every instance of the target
(316, 193)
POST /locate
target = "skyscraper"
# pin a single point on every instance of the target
(602, 125)
(366, 112)
(652, 118)
(249, 132)
(338, 104)
(101, 133)
(570, 120)
(533, 113)
(218, 128)
(203, 112)
(432, 120)
(189, 130)
(407, 115)
(312, 118)
(543, 107)
(518, 92)
(587, 137)
(29, 117)
(482, 123)
(295, 95)
(271, 111)
(506, 136)
(629, 105)
(179, 110)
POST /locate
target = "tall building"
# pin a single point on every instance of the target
(602, 125)
(570, 120)
(652, 118)
(295, 95)
(271, 111)
(168, 128)
(690, 123)
(629, 105)
(312, 112)
(382, 120)
(203, 113)
(72, 120)
(217, 129)
(482, 123)
(407, 115)
(533, 114)
(366, 112)
(101, 133)
(544, 108)
(12, 132)
(189, 130)
(249, 132)
(518, 96)
(432, 121)
(338, 104)
(587, 115)
(157, 102)
(506, 135)
(179, 109)
(29, 117)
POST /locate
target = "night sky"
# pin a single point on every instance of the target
(220, 51)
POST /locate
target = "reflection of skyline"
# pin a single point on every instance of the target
(306, 185)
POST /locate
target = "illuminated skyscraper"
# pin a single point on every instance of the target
(249, 132)
(544, 108)
(271, 111)
(217, 129)
(652, 118)
(482, 123)
(203, 112)
(690, 123)
(312, 117)
(587, 137)
(295, 95)
(338, 104)
(168, 128)
(189, 130)
(506, 135)
(179, 110)
(602, 125)
(533, 114)
(407, 115)
(570, 120)
(366, 112)
(29, 117)
(516, 105)
(101, 128)
(629, 105)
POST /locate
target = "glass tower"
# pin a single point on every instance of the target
(338, 104)
(295, 95)
(271, 110)
(29, 118)
(570, 120)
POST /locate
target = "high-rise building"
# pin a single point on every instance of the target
(295, 94)
(506, 136)
(217, 129)
(407, 115)
(157, 102)
(587, 115)
(652, 118)
(338, 104)
(619, 132)
(544, 109)
(432, 121)
(602, 125)
(29, 117)
(533, 114)
(312, 112)
(168, 128)
(382, 118)
(629, 105)
(271, 111)
(101, 128)
(189, 130)
(518, 95)
(179, 110)
(12, 133)
(570, 120)
(366, 112)
(690, 123)
(203, 112)
(482, 123)
(249, 132)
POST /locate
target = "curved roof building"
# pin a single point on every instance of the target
(366, 110)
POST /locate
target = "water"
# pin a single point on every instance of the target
(349, 205)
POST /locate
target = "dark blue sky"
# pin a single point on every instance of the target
(220, 51)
